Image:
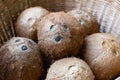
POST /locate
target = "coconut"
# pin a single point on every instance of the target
(102, 53)
(20, 59)
(26, 20)
(87, 20)
(69, 69)
(59, 35)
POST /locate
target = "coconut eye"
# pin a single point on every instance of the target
(87, 16)
(24, 48)
(81, 21)
(51, 27)
(18, 40)
(58, 38)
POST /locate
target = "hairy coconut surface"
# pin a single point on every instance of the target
(70, 69)
(102, 53)
(59, 35)
(86, 19)
(20, 59)
(26, 20)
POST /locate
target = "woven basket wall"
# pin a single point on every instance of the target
(107, 13)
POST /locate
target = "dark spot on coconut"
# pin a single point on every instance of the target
(51, 27)
(87, 16)
(83, 68)
(65, 28)
(103, 43)
(39, 19)
(81, 21)
(30, 42)
(24, 48)
(114, 51)
(112, 40)
(71, 67)
(29, 19)
(18, 40)
(58, 38)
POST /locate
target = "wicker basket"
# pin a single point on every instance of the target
(106, 12)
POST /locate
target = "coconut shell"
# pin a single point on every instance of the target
(59, 35)
(70, 69)
(26, 20)
(102, 53)
(20, 59)
(86, 19)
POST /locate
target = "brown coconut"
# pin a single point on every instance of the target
(69, 69)
(26, 20)
(86, 19)
(102, 53)
(20, 59)
(59, 35)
